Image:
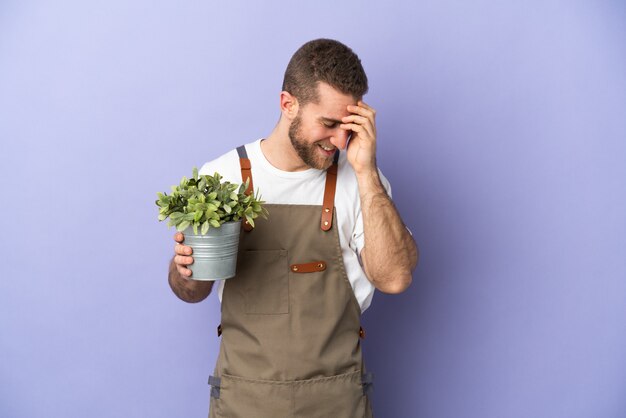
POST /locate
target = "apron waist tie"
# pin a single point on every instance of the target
(367, 380)
(215, 386)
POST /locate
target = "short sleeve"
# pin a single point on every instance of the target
(207, 169)
(226, 165)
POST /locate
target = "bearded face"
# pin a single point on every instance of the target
(308, 151)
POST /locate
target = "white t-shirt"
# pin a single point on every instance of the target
(307, 188)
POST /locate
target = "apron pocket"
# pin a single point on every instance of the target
(248, 398)
(266, 277)
(338, 396)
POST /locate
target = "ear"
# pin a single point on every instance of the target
(288, 105)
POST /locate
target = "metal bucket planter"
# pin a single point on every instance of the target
(214, 253)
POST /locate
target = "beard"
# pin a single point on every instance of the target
(307, 152)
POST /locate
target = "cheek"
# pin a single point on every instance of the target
(316, 133)
(322, 133)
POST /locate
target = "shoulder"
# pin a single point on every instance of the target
(227, 165)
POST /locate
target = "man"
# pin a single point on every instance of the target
(291, 317)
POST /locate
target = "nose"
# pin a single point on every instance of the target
(340, 138)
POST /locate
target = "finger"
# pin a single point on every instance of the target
(183, 260)
(361, 120)
(363, 111)
(185, 272)
(354, 127)
(368, 107)
(179, 237)
(183, 249)
(358, 131)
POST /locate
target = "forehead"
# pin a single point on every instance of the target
(331, 103)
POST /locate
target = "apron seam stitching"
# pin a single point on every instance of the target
(293, 382)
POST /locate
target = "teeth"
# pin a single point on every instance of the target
(326, 148)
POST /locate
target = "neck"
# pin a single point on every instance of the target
(278, 150)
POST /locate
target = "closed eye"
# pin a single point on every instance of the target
(330, 123)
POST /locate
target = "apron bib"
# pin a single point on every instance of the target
(290, 321)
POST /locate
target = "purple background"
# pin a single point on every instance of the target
(502, 128)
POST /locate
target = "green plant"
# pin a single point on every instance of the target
(205, 201)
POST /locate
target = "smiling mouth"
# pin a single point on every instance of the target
(325, 148)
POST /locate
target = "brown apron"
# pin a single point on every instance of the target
(290, 321)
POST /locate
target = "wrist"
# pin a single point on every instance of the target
(369, 182)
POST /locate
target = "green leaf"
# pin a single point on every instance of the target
(195, 228)
(182, 226)
(205, 201)
(250, 220)
(176, 215)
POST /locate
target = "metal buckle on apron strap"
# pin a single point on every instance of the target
(361, 333)
(367, 380)
(219, 330)
(215, 386)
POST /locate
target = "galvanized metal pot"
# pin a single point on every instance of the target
(215, 253)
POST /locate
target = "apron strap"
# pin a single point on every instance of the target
(328, 205)
(246, 173)
(215, 386)
(329, 195)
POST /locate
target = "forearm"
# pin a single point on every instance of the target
(188, 290)
(390, 253)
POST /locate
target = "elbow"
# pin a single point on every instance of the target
(190, 291)
(415, 255)
(192, 297)
(395, 284)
